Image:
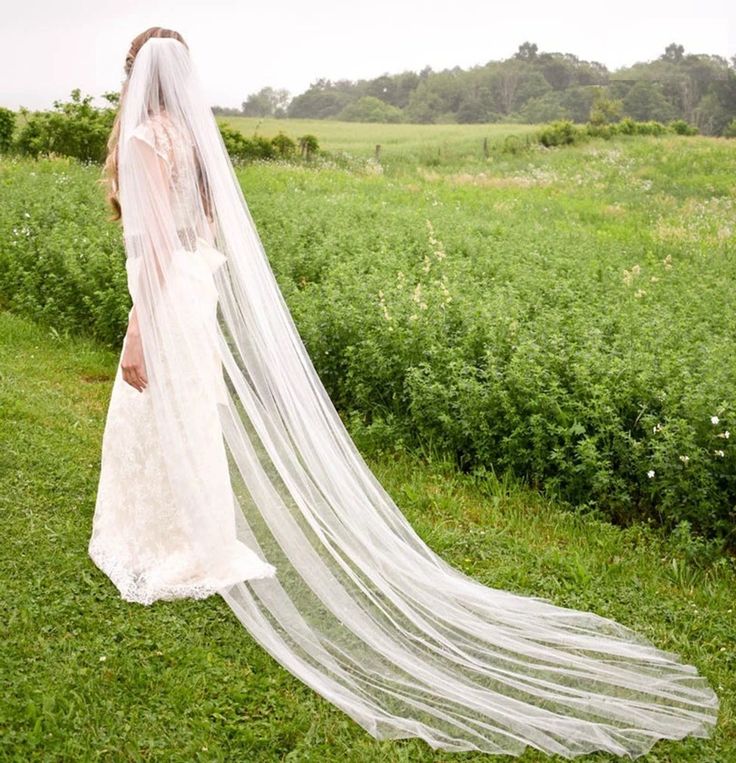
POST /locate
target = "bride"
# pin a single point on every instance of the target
(226, 469)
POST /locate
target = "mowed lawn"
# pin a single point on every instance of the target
(86, 676)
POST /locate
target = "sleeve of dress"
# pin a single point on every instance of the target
(148, 221)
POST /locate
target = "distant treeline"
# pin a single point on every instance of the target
(528, 87)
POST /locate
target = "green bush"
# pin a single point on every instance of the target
(284, 145)
(681, 127)
(58, 265)
(308, 145)
(7, 127)
(74, 128)
(561, 132)
(242, 148)
(650, 127)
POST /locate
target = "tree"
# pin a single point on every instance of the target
(604, 109)
(267, 102)
(370, 109)
(673, 53)
(645, 100)
(527, 51)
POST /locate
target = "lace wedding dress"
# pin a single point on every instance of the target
(137, 533)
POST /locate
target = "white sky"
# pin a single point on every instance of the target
(48, 47)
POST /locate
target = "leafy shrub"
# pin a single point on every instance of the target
(650, 127)
(730, 129)
(246, 149)
(284, 145)
(561, 132)
(7, 126)
(57, 265)
(308, 145)
(681, 127)
(74, 128)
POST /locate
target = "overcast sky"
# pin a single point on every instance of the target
(49, 47)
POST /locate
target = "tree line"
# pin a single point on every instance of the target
(528, 87)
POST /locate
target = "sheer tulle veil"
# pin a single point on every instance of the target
(360, 608)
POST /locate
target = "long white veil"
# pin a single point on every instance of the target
(359, 608)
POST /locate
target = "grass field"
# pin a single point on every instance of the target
(401, 143)
(86, 676)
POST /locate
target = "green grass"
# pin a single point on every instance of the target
(400, 143)
(87, 676)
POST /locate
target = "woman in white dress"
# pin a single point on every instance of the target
(226, 469)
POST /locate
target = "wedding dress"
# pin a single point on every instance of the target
(233, 473)
(137, 537)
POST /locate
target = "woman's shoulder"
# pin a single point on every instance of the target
(156, 130)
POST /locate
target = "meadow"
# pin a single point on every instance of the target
(526, 347)
(404, 145)
(562, 315)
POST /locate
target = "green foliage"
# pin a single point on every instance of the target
(561, 132)
(562, 316)
(61, 260)
(370, 109)
(730, 131)
(531, 86)
(308, 145)
(241, 148)
(74, 128)
(681, 127)
(284, 145)
(604, 109)
(7, 127)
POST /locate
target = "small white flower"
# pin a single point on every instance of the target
(684, 459)
(103, 658)
(714, 419)
(719, 453)
(725, 434)
(651, 474)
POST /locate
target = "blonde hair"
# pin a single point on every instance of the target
(110, 170)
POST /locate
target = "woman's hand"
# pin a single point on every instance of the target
(132, 362)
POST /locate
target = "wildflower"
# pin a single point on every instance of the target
(667, 262)
(651, 474)
(719, 453)
(714, 419)
(103, 658)
(684, 459)
(725, 434)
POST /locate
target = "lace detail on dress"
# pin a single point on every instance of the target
(176, 148)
